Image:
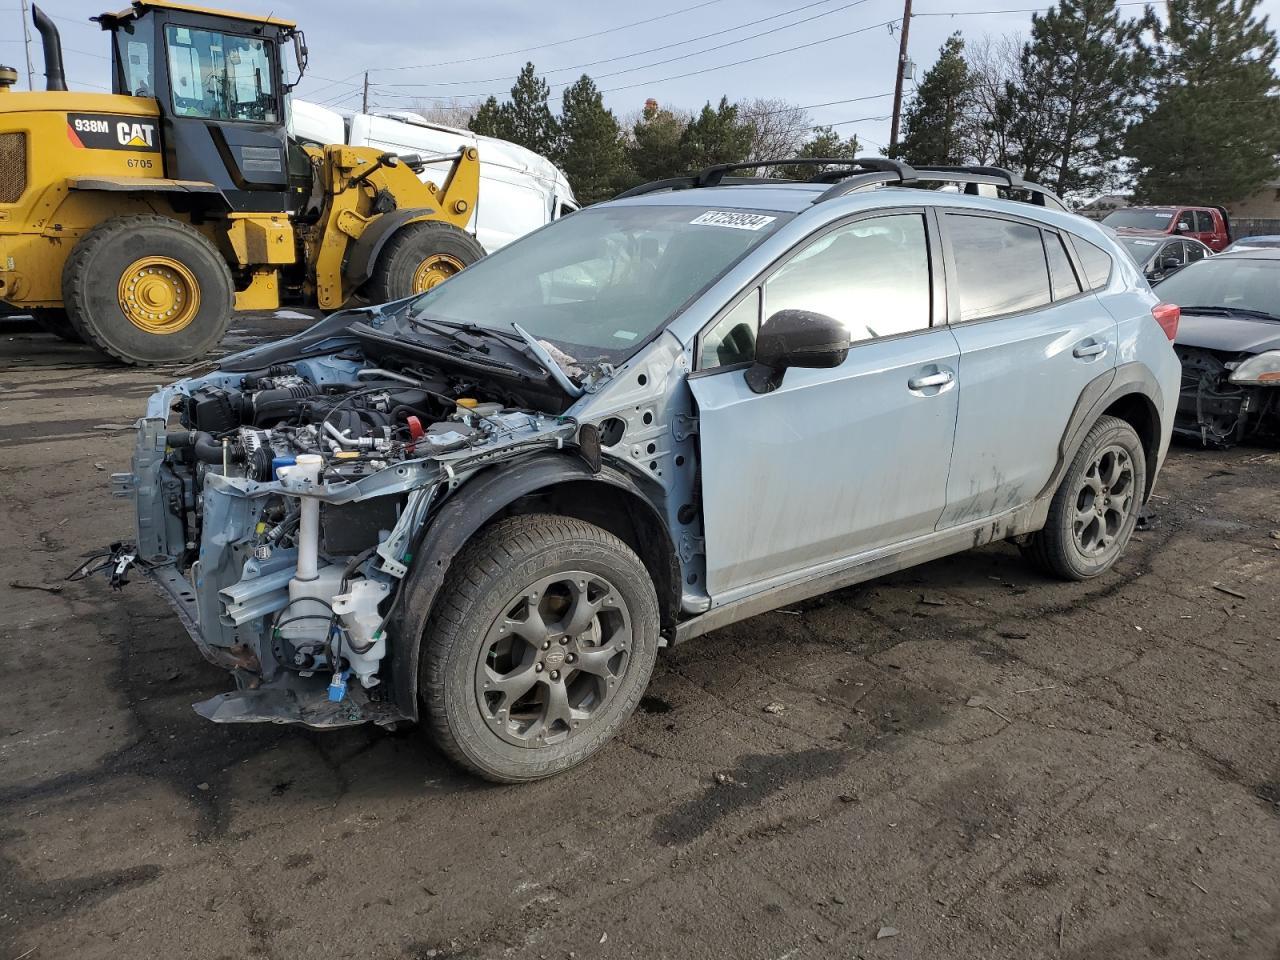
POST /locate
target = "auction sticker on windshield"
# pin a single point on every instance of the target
(736, 220)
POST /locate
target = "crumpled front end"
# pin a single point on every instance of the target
(1215, 411)
(278, 511)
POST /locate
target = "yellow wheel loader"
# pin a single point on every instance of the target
(140, 220)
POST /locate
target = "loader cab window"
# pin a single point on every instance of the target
(135, 53)
(220, 76)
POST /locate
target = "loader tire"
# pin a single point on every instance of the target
(418, 257)
(147, 290)
(53, 320)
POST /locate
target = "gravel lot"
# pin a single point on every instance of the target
(962, 760)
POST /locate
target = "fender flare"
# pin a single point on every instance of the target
(364, 252)
(1099, 394)
(457, 520)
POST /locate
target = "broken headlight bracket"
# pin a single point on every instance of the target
(115, 561)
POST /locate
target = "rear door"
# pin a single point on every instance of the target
(1031, 337)
(833, 462)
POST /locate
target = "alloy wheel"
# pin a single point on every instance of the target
(1104, 502)
(553, 658)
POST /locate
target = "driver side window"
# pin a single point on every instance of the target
(872, 275)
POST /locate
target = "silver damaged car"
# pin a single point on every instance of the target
(486, 508)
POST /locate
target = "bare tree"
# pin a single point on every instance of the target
(449, 113)
(993, 65)
(779, 128)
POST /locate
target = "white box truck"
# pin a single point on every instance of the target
(519, 189)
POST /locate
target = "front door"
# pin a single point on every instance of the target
(1032, 336)
(833, 463)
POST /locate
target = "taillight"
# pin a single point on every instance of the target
(1167, 315)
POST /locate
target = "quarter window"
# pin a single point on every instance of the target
(1096, 263)
(220, 76)
(1061, 274)
(1000, 266)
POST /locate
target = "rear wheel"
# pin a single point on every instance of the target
(1094, 511)
(541, 643)
(148, 290)
(418, 257)
(55, 321)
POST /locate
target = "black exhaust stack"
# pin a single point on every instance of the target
(55, 76)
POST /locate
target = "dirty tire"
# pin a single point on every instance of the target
(499, 568)
(1057, 549)
(54, 320)
(90, 289)
(411, 246)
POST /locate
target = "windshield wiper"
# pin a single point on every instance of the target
(548, 362)
(1232, 312)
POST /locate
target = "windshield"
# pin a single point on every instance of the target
(1139, 248)
(1227, 282)
(1255, 243)
(598, 283)
(1139, 219)
(220, 76)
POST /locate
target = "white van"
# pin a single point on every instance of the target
(519, 190)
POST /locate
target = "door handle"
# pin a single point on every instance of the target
(930, 380)
(1086, 350)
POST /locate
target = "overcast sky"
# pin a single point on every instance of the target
(688, 52)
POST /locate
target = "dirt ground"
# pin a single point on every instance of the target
(970, 761)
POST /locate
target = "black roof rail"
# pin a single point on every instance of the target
(971, 177)
(714, 176)
(859, 173)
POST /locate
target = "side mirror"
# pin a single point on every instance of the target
(796, 338)
(1169, 264)
(1183, 227)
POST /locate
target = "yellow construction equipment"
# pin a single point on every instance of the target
(139, 220)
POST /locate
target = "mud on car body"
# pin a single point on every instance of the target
(488, 506)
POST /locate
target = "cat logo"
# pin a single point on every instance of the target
(136, 134)
(95, 131)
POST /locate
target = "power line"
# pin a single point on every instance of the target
(756, 59)
(640, 53)
(585, 36)
(690, 73)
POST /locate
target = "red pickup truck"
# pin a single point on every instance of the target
(1209, 225)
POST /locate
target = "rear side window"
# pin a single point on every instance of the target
(1061, 273)
(1096, 263)
(1194, 252)
(1000, 266)
(1204, 221)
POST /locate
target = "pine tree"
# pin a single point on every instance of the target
(1077, 86)
(528, 115)
(715, 136)
(490, 120)
(592, 155)
(935, 128)
(1213, 132)
(824, 142)
(654, 153)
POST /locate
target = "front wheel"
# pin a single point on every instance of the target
(418, 257)
(1095, 509)
(539, 647)
(147, 289)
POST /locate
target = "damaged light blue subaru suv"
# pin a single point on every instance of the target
(488, 506)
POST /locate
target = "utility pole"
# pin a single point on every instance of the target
(897, 80)
(26, 42)
(364, 105)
